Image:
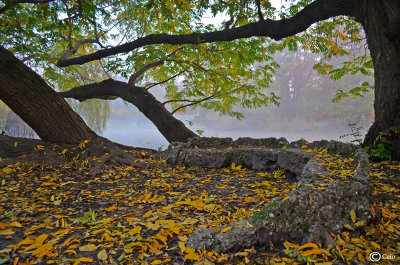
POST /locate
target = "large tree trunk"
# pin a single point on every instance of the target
(170, 127)
(29, 96)
(381, 22)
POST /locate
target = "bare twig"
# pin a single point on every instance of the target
(162, 82)
(194, 103)
(105, 71)
(178, 100)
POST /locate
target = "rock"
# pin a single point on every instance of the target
(298, 143)
(256, 158)
(265, 142)
(335, 147)
(210, 142)
(293, 160)
(207, 158)
(171, 155)
(240, 236)
(321, 202)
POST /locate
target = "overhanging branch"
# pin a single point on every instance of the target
(276, 29)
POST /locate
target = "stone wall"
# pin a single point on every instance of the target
(321, 202)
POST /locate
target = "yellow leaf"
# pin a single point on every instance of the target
(102, 255)
(135, 230)
(88, 247)
(192, 256)
(181, 246)
(199, 204)
(26, 241)
(38, 242)
(6, 232)
(287, 197)
(234, 167)
(148, 213)
(156, 262)
(83, 259)
(353, 215)
(308, 245)
(111, 208)
(375, 245)
(63, 151)
(15, 224)
(341, 241)
(314, 251)
(288, 260)
(250, 225)
(70, 251)
(43, 250)
(16, 144)
(359, 223)
(189, 250)
(290, 245)
(226, 229)
(349, 227)
(44, 184)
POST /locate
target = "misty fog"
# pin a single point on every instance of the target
(306, 111)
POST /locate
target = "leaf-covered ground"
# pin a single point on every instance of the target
(131, 215)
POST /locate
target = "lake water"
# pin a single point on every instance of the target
(150, 137)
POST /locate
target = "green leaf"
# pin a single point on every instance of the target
(292, 45)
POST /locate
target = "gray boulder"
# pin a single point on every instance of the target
(270, 142)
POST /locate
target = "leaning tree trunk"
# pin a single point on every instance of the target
(29, 96)
(170, 127)
(381, 23)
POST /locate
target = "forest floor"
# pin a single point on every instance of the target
(131, 215)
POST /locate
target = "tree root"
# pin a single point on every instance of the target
(94, 155)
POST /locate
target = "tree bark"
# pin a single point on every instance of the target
(276, 29)
(170, 127)
(31, 98)
(381, 22)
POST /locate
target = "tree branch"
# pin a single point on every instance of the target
(75, 48)
(193, 103)
(108, 89)
(135, 76)
(260, 15)
(276, 29)
(172, 128)
(164, 81)
(230, 22)
(178, 100)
